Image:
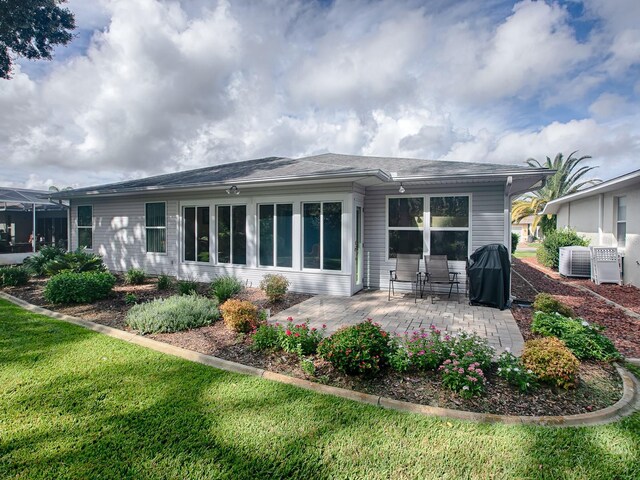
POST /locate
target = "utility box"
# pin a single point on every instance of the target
(575, 262)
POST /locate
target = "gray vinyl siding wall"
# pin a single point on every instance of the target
(119, 235)
(487, 224)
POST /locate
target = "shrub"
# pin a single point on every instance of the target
(76, 262)
(515, 239)
(547, 304)
(469, 348)
(225, 287)
(266, 337)
(37, 263)
(359, 349)
(425, 349)
(274, 286)
(187, 287)
(549, 252)
(130, 299)
(551, 361)
(308, 367)
(84, 287)
(467, 380)
(172, 314)
(239, 315)
(164, 282)
(299, 339)
(583, 339)
(13, 276)
(135, 276)
(511, 369)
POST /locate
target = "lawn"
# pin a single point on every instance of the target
(77, 404)
(524, 254)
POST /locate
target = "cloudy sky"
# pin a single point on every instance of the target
(152, 86)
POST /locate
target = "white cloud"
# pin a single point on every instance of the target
(164, 86)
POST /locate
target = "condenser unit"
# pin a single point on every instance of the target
(575, 262)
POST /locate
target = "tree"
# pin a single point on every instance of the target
(565, 181)
(30, 29)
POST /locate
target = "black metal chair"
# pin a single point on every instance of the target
(437, 272)
(407, 271)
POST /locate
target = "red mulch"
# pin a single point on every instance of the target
(621, 328)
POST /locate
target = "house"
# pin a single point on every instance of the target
(20, 211)
(524, 229)
(609, 215)
(332, 224)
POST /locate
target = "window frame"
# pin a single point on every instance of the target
(146, 228)
(89, 227)
(406, 229)
(182, 232)
(274, 231)
(302, 236)
(231, 206)
(618, 222)
(426, 224)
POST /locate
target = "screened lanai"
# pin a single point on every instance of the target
(28, 221)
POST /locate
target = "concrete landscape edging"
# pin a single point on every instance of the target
(629, 403)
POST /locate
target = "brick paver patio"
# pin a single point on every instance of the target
(402, 315)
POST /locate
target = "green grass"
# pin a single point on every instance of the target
(525, 254)
(77, 404)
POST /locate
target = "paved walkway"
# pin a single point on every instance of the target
(402, 315)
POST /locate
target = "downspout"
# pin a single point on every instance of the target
(507, 213)
(33, 230)
(600, 218)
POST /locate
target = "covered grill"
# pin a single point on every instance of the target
(489, 273)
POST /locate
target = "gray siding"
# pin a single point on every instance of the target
(487, 224)
(119, 236)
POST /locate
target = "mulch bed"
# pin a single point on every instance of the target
(113, 310)
(599, 385)
(621, 328)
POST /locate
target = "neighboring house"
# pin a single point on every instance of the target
(332, 224)
(20, 210)
(609, 215)
(524, 229)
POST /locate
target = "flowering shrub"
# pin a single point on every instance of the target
(511, 369)
(423, 350)
(291, 338)
(467, 380)
(274, 286)
(359, 349)
(239, 315)
(551, 361)
(469, 348)
(582, 338)
(547, 304)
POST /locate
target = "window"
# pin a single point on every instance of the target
(85, 226)
(276, 235)
(449, 227)
(322, 232)
(621, 226)
(405, 225)
(155, 222)
(196, 234)
(232, 234)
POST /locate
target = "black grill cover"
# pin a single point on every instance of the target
(489, 274)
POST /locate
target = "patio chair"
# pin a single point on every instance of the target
(437, 273)
(407, 271)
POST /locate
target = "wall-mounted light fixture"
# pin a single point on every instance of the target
(401, 189)
(233, 189)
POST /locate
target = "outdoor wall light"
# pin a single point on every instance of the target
(401, 189)
(233, 189)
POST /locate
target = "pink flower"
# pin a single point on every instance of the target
(447, 361)
(313, 329)
(324, 325)
(461, 370)
(288, 333)
(421, 352)
(289, 319)
(296, 334)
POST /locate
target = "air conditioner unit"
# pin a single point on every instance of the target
(575, 262)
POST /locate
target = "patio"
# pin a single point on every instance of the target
(401, 315)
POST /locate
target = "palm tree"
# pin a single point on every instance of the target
(564, 182)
